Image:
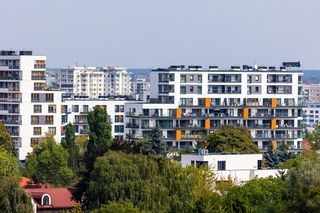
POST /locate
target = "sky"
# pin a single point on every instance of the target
(158, 33)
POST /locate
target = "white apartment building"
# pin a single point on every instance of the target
(189, 103)
(94, 82)
(140, 85)
(312, 92)
(76, 112)
(239, 166)
(27, 108)
(311, 114)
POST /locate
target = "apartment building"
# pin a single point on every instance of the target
(94, 82)
(188, 103)
(27, 108)
(311, 115)
(140, 85)
(76, 112)
(312, 92)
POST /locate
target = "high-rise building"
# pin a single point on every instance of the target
(312, 92)
(140, 84)
(187, 104)
(93, 82)
(27, 108)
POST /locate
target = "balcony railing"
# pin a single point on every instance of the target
(132, 125)
(10, 99)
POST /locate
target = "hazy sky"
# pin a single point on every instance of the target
(157, 33)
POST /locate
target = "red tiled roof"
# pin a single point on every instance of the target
(60, 197)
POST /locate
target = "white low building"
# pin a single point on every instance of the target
(239, 166)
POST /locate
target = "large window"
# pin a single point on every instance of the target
(49, 119)
(52, 108)
(49, 97)
(119, 108)
(37, 130)
(118, 118)
(52, 130)
(221, 165)
(119, 128)
(34, 119)
(37, 109)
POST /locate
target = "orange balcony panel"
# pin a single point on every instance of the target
(274, 144)
(207, 102)
(178, 135)
(274, 102)
(178, 113)
(207, 124)
(245, 113)
(273, 123)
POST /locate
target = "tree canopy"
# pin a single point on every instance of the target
(48, 163)
(229, 138)
(6, 140)
(8, 165)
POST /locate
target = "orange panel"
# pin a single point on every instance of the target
(178, 135)
(245, 113)
(274, 102)
(273, 123)
(207, 102)
(178, 113)
(207, 124)
(274, 144)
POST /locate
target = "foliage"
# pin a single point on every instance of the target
(6, 140)
(154, 144)
(151, 183)
(48, 163)
(229, 138)
(257, 195)
(129, 146)
(274, 158)
(70, 145)
(77, 208)
(8, 165)
(13, 198)
(314, 137)
(119, 207)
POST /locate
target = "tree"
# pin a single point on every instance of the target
(274, 158)
(48, 163)
(229, 138)
(70, 145)
(154, 145)
(8, 165)
(314, 137)
(119, 207)
(6, 140)
(100, 136)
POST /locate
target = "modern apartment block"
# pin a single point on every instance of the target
(76, 112)
(140, 85)
(189, 103)
(27, 108)
(312, 92)
(311, 114)
(94, 82)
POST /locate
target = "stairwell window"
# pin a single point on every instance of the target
(221, 165)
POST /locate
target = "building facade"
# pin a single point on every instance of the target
(187, 104)
(312, 92)
(95, 82)
(27, 108)
(311, 114)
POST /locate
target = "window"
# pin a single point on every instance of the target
(183, 90)
(52, 130)
(49, 97)
(34, 119)
(183, 78)
(200, 78)
(118, 118)
(35, 97)
(64, 118)
(192, 163)
(37, 109)
(191, 77)
(119, 108)
(52, 108)
(201, 163)
(49, 119)
(221, 165)
(191, 89)
(35, 141)
(46, 200)
(85, 108)
(199, 89)
(119, 128)
(75, 108)
(37, 130)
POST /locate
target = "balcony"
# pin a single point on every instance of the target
(12, 122)
(18, 100)
(132, 125)
(38, 77)
(80, 121)
(84, 131)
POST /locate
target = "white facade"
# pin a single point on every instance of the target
(94, 82)
(311, 114)
(312, 92)
(189, 103)
(27, 108)
(240, 167)
(76, 112)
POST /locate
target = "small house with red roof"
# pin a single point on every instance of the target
(47, 199)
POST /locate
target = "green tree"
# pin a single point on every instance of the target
(257, 195)
(8, 165)
(314, 137)
(6, 140)
(229, 138)
(70, 145)
(48, 163)
(119, 207)
(154, 144)
(13, 199)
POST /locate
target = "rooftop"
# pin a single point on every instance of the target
(15, 53)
